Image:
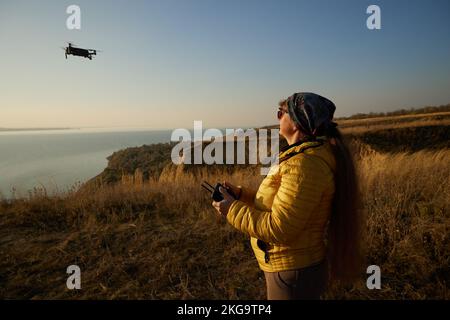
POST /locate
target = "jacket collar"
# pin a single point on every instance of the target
(299, 146)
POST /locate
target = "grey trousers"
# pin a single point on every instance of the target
(300, 284)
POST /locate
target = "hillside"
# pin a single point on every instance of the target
(405, 133)
(148, 231)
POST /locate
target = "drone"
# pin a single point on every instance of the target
(75, 51)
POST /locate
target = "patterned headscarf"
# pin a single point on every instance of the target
(312, 113)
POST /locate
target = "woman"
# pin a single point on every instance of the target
(303, 220)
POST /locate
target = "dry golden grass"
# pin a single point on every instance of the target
(359, 126)
(161, 239)
(419, 123)
(399, 118)
(406, 205)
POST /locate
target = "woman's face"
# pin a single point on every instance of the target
(287, 125)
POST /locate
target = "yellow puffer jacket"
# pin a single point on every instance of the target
(288, 214)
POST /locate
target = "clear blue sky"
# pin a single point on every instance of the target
(167, 63)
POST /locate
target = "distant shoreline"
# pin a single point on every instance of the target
(33, 129)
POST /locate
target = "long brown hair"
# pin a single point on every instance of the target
(344, 230)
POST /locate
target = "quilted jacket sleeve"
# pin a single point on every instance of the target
(300, 192)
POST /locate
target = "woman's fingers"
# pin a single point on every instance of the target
(227, 184)
(231, 186)
(226, 195)
(216, 206)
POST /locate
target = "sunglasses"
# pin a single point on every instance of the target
(280, 113)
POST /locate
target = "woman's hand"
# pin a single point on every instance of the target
(236, 190)
(223, 206)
